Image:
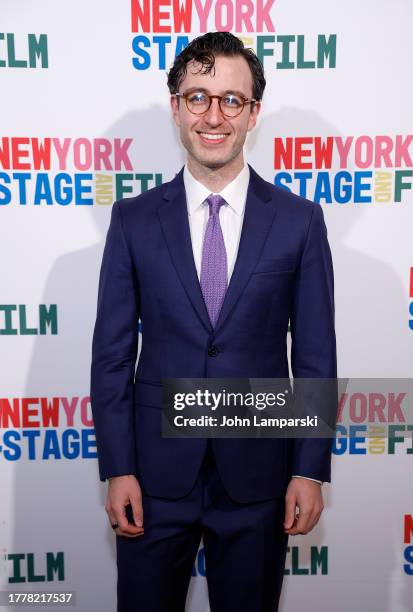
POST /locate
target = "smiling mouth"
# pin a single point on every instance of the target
(213, 137)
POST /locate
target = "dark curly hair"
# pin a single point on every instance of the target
(205, 48)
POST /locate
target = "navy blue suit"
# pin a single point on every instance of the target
(283, 274)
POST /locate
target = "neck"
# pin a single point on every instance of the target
(215, 179)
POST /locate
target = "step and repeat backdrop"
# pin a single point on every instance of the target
(85, 120)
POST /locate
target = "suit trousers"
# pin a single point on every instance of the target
(244, 545)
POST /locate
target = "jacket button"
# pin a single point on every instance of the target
(213, 351)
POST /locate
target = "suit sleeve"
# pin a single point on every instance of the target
(313, 340)
(114, 352)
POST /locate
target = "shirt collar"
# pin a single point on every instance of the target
(235, 193)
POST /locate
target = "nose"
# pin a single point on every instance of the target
(214, 115)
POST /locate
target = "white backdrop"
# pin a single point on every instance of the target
(78, 83)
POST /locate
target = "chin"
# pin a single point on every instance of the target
(214, 161)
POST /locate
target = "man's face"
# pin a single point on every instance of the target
(232, 74)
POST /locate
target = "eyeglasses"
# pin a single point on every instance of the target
(199, 102)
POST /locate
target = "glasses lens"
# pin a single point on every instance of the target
(231, 105)
(198, 102)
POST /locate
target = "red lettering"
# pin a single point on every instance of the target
(50, 412)
(5, 154)
(299, 153)
(17, 153)
(323, 152)
(283, 155)
(182, 15)
(408, 528)
(41, 153)
(28, 412)
(9, 416)
(141, 16)
(158, 15)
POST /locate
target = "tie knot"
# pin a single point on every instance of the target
(215, 201)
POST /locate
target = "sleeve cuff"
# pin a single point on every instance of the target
(306, 478)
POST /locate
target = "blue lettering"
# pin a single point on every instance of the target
(303, 177)
(342, 187)
(359, 186)
(340, 442)
(31, 435)
(51, 445)
(89, 444)
(408, 555)
(322, 188)
(42, 191)
(283, 176)
(80, 189)
(9, 441)
(354, 440)
(70, 444)
(5, 194)
(181, 43)
(145, 61)
(162, 41)
(63, 194)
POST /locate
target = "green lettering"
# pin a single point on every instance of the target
(286, 41)
(38, 50)
(301, 62)
(13, 62)
(327, 49)
(55, 563)
(8, 329)
(48, 318)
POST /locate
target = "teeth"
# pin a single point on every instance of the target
(212, 136)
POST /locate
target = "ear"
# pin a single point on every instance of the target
(175, 110)
(252, 119)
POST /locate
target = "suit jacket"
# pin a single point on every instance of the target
(283, 274)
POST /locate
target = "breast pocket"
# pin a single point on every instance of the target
(275, 266)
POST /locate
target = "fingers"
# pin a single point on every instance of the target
(124, 506)
(303, 524)
(290, 505)
(307, 519)
(137, 510)
(309, 501)
(126, 527)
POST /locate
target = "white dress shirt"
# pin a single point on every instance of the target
(231, 216)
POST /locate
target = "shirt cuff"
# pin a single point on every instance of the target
(307, 478)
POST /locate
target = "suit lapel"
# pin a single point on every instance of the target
(173, 215)
(258, 217)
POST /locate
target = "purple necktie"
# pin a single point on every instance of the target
(214, 276)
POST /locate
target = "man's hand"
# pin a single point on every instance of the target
(124, 490)
(307, 495)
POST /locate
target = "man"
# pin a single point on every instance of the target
(216, 264)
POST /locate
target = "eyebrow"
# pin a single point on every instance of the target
(227, 91)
